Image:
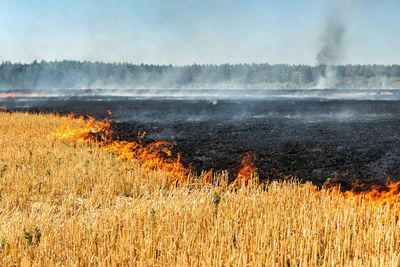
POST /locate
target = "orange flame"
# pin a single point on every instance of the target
(157, 155)
(278, 173)
(13, 94)
(246, 172)
(207, 177)
(377, 195)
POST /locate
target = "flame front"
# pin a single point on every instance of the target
(156, 155)
(13, 94)
(247, 170)
(388, 193)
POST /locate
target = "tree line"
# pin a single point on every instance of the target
(85, 74)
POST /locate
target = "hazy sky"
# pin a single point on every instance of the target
(197, 31)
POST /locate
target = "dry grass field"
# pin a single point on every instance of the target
(74, 203)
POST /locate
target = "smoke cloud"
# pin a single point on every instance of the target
(332, 50)
(332, 40)
(339, 15)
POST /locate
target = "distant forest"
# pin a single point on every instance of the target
(76, 74)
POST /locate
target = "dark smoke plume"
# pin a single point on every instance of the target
(332, 50)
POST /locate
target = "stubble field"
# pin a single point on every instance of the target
(72, 202)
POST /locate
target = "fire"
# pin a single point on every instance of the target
(13, 94)
(281, 174)
(246, 172)
(387, 193)
(157, 155)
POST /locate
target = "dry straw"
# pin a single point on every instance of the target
(74, 204)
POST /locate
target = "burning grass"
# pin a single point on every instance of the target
(79, 202)
(13, 95)
(155, 156)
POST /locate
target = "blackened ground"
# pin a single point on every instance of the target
(312, 151)
(311, 139)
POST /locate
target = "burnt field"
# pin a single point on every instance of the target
(312, 136)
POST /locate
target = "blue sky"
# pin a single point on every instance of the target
(197, 31)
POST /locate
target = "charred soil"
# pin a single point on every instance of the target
(309, 139)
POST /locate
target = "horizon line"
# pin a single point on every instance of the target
(187, 65)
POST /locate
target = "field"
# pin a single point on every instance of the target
(73, 202)
(310, 134)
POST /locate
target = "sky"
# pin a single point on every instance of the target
(183, 32)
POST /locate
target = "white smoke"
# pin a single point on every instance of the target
(328, 79)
